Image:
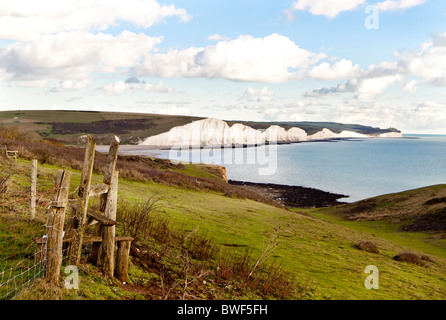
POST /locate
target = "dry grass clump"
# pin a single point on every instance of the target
(368, 246)
(409, 257)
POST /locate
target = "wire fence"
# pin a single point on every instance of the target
(23, 248)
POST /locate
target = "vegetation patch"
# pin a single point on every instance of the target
(368, 246)
(409, 257)
(433, 221)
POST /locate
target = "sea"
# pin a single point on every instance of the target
(356, 168)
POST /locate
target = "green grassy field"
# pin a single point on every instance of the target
(315, 247)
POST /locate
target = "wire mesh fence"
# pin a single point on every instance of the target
(23, 249)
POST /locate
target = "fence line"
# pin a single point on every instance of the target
(21, 260)
(27, 244)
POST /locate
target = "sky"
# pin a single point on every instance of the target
(379, 63)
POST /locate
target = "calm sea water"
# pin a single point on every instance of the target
(357, 168)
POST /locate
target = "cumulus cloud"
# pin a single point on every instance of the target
(393, 5)
(425, 65)
(217, 37)
(132, 80)
(328, 8)
(261, 95)
(274, 58)
(27, 19)
(365, 88)
(175, 110)
(73, 56)
(410, 87)
(340, 70)
(429, 63)
(72, 84)
(122, 87)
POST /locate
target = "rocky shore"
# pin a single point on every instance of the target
(293, 196)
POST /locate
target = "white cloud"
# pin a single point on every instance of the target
(217, 37)
(274, 58)
(33, 84)
(429, 63)
(328, 8)
(262, 95)
(426, 65)
(392, 5)
(176, 110)
(340, 70)
(410, 87)
(366, 87)
(72, 56)
(369, 87)
(72, 85)
(27, 19)
(122, 87)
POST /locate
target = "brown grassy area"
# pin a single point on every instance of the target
(409, 257)
(368, 246)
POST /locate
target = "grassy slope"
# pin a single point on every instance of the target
(318, 252)
(389, 215)
(39, 121)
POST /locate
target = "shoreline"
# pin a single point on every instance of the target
(293, 196)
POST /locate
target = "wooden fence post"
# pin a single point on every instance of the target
(122, 260)
(108, 175)
(33, 187)
(80, 214)
(55, 225)
(107, 251)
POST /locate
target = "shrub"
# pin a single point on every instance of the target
(409, 257)
(368, 246)
(137, 218)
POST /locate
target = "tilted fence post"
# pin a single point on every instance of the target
(33, 187)
(55, 225)
(108, 176)
(80, 213)
(107, 258)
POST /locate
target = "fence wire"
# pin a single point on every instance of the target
(22, 255)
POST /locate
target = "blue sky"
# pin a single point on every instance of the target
(301, 60)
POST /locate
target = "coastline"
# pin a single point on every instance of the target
(293, 196)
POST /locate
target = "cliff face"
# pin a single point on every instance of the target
(215, 132)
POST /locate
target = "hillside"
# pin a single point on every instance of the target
(67, 126)
(414, 217)
(203, 242)
(422, 209)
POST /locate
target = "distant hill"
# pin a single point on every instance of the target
(422, 209)
(68, 126)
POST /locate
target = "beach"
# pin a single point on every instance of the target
(293, 196)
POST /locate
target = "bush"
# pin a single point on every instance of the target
(368, 246)
(409, 257)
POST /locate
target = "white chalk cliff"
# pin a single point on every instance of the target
(215, 132)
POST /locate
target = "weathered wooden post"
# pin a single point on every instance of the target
(33, 187)
(107, 251)
(80, 214)
(122, 260)
(108, 175)
(55, 225)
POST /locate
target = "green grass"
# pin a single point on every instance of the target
(422, 241)
(317, 250)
